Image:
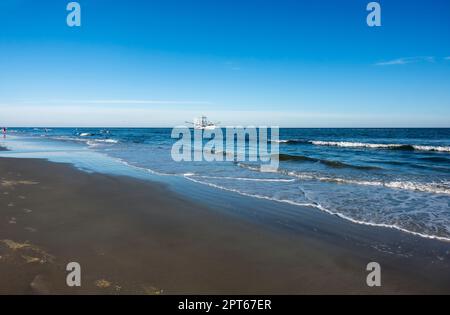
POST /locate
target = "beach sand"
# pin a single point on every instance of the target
(139, 237)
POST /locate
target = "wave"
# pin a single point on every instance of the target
(404, 147)
(89, 142)
(433, 187)
(66, 138)
(431, 148)
(330, 163)
(111, 141)
(386, 146)
(245, 178)
(318, 206)
(436, 159)
(144, 169)
(291, 141)
(299, 158)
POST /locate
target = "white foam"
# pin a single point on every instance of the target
(246, 178)
(320, 207)
(252, 168)
(346, 144)
(97, 142)
(65, 138)
(141, 168)
(435, 188)
(431, 148)
(107, 140)
(355, 144)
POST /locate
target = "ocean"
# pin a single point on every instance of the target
(395, 178)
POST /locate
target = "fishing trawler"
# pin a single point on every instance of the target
(202, 123)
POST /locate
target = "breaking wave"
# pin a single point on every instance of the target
(405, 147)
(385, 146)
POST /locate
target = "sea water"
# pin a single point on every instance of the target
(398, 178)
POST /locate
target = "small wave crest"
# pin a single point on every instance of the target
(96, 142)
(89, 142)
(291, 141)
(404, 147)
(330, 163)
(433, 187)
(250, 179)
(385, 146)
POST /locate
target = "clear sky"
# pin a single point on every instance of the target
(279, 62)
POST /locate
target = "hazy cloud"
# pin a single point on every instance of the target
(406, 60)
(233, 66)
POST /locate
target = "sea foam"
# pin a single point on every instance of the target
(346, 144)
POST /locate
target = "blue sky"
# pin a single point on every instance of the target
(281, 62)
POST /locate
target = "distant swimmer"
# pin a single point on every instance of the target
(4, 130)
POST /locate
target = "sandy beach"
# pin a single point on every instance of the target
(139, 237)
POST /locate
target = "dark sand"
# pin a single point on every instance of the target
(139, 237)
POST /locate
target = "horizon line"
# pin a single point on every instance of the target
(220, 127)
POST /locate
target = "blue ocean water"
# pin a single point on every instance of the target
(398, 178)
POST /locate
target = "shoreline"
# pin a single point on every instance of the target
(134, 236)
(341, 216)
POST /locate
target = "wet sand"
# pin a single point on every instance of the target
(139, 237)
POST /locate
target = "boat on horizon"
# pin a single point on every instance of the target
(202, 123)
